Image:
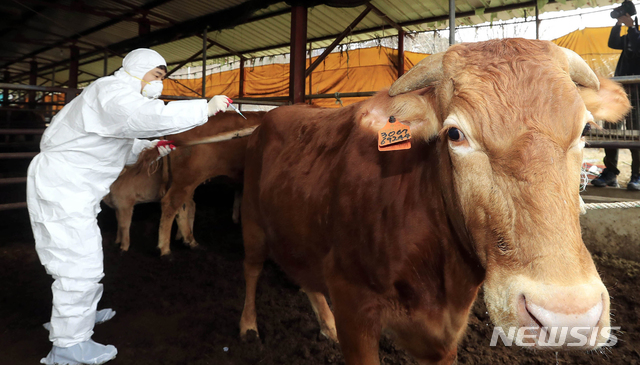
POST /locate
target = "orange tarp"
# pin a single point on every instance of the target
(360, 70)
(591, 45)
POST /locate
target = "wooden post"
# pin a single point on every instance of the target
(311, 74)
(50, 108)
(204, 63)
(537, 22)
(400, 53)
(73, 74)
(5, 92)
(143, 26)
(297, 53)
(33, 80)
(452, 22)
(241, 84)
(73, 68)
(106, 63)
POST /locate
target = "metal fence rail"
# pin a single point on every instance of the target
(11, 206)
(625, 134)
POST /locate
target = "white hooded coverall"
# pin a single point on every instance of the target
(82, 152)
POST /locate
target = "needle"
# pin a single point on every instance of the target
(237, 111)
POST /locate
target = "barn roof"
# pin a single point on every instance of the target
(44, 30)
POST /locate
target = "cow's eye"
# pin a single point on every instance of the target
(587, 128)
(455, 135)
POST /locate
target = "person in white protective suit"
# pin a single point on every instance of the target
(82, 152)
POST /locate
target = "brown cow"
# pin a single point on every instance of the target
(188, 168)
(135, 185)
(401, 241)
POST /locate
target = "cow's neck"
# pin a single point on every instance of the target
(446, 238)
(414, 250)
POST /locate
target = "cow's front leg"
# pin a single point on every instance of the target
(323, 314)
(357, 321)
(123, 215)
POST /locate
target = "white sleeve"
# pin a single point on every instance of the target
(138, 146)
(126, 114)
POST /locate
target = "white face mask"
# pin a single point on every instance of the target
(153, 89)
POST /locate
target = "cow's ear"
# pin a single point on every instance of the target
(610, 103)
(417, 109)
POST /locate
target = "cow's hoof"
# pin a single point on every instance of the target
(250, 336)
(191, 244)
(197, 247)
(167, 258)
(330, 334)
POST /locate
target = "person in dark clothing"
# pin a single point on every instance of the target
(628, 64)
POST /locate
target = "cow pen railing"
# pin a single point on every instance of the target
(625, 134)
(46, 101)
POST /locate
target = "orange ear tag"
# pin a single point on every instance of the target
(394, 136)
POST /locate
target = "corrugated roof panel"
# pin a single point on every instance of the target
(268, 32)
(184, 10)
(179, 50)
(323, 21)
(115, 33)
(95, 69)
(66, 22)
(272, 9)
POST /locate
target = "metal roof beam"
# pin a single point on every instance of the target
(82, 8)
(227, 18)
(18, 23)
(237, 54)
(23, 40)
(190, 59)
(214, 43)
(145, 11)
(78, 35)
(404, 24)
(384, 17)
(88, 73)
(54, 34)
(220, 20)
(318, 39)
(337, 41)
(48, 80)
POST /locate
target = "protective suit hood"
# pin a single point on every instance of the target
(136, 64)
(142, 60)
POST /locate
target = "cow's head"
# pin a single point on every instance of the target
(510, 117)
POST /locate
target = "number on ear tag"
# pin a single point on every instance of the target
(394, 136)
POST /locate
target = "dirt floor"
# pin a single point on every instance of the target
(187, 311)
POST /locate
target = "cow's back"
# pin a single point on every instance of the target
(204, 161)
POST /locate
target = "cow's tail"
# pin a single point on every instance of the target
(166, 174)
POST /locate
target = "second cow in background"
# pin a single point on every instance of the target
(175, 182)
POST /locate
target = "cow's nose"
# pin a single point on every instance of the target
(566, 319)
(547, 318)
